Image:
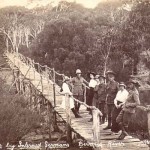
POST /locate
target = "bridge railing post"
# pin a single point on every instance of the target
(96, 127)
(49, 112)
(30, 96)
(39, 102)
(85, 94)
(54, 82)
(42, 82)
(148, 116)
(34, 69)
(30, 64)
(68, 116)
(54, 96)
(32, 61)
(47, 78)
(27, 61)
(38, 67)
(40, 72)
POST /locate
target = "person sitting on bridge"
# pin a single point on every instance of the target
(66, 90)
(119, 101)
(78, 88)
(128, 110)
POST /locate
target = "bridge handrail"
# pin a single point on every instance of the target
(31, 63)
(50, 76)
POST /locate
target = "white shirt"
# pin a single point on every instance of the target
(121, 96)
(92, 83)
(66, 89)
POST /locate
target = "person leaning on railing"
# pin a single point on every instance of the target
(66, 90)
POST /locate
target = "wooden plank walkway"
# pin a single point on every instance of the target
(79, 125)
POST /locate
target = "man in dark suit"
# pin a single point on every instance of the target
(111, 90)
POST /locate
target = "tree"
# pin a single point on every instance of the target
(19, 26)
(110, 34)
(136, 32)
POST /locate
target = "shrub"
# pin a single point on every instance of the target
(16, 119)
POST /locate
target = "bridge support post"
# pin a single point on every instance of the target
(21, 77)
(148, 116)
(39, 102)
(96, 128)
(49, 112)
(68, 128)
(41, 82)
(31, 99)
(54, 94)
(16, 78)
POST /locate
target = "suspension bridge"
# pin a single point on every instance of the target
(44, 80)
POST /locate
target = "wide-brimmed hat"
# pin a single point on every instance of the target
(97, 76)
(122, 84)
(136, 83)
(66, 78)
(78, 71)
(110, 72)
(102, 76)
(91, 72)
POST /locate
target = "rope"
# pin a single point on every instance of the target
(83, 103)
(59, 74)
(49, 68)
(31, 63)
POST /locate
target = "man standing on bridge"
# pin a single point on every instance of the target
(128, 110)
(100, 96)
(78, 88)
(111, 90)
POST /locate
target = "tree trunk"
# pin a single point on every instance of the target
(105, 67)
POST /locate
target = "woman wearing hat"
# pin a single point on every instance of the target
(119, 101)
(66, 90)
(128, 109)
(92, 85)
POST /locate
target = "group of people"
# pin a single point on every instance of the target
(116, 101)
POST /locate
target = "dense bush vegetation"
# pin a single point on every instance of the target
(69, 36)
(16, 118)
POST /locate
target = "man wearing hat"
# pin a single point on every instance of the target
(111, 89)
(119, 101)
(128, 110)
(78, 88)
(100, 96)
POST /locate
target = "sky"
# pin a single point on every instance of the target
(27, 3)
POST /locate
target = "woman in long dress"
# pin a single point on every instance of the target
(66, 90)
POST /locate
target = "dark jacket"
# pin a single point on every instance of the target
(100, 93)
(111, 89)
(132, 101)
